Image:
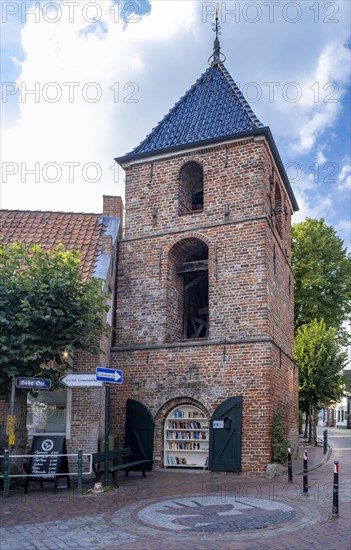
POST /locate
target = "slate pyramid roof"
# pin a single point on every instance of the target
(213, 108)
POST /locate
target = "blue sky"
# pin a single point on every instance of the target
(84, 82)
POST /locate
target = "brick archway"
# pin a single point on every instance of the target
(175, 402)
(191, 235)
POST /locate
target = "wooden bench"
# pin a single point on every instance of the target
(121, 460)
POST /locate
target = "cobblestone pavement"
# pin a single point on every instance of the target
(173, 509)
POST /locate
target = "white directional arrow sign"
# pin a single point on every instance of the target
(80, 380)
(109, 375)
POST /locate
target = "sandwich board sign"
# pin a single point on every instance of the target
(47, 462)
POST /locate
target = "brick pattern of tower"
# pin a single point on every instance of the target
(205, 286)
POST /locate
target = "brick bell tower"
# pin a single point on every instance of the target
(205, 304)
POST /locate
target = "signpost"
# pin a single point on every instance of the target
(26, 383)
(110, 376)
(33, 383)
(80, 380)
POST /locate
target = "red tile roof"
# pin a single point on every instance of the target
(49, 229)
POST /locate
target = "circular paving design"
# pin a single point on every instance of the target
(215, 518)
(211, 515)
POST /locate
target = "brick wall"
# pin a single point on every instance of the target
(88, 404)
(87, 423)
(249, 350)
(209, 374)
(113, 207)
(233, 175)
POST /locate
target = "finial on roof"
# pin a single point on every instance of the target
(216, 56)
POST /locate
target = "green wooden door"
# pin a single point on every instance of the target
(139, 434)
(225, 436)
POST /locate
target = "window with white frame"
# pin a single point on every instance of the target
(49, 412)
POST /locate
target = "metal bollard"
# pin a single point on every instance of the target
(80, 470)
(6, 471)
(305, 475)
(336, 490)
(325, 441)
(290, 475)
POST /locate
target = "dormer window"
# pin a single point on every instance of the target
(191, 188)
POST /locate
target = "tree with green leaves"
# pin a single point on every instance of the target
(321, 359)
(46, 312)
(322, 270)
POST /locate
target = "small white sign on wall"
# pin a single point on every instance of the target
(218, 424)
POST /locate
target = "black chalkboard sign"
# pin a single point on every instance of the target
(47, 464)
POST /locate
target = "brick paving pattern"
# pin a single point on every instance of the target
(269, 514)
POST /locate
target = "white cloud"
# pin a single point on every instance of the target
(149, 65)
(321, 159)
(344, 178)
(312, 206)
(320, 102)
(88, 90)
(343, 227)
(313, 203)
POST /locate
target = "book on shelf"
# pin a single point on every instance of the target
(177, 425)
(187, 414)
(175, 460)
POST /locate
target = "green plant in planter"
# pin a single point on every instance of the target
(279, 441)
